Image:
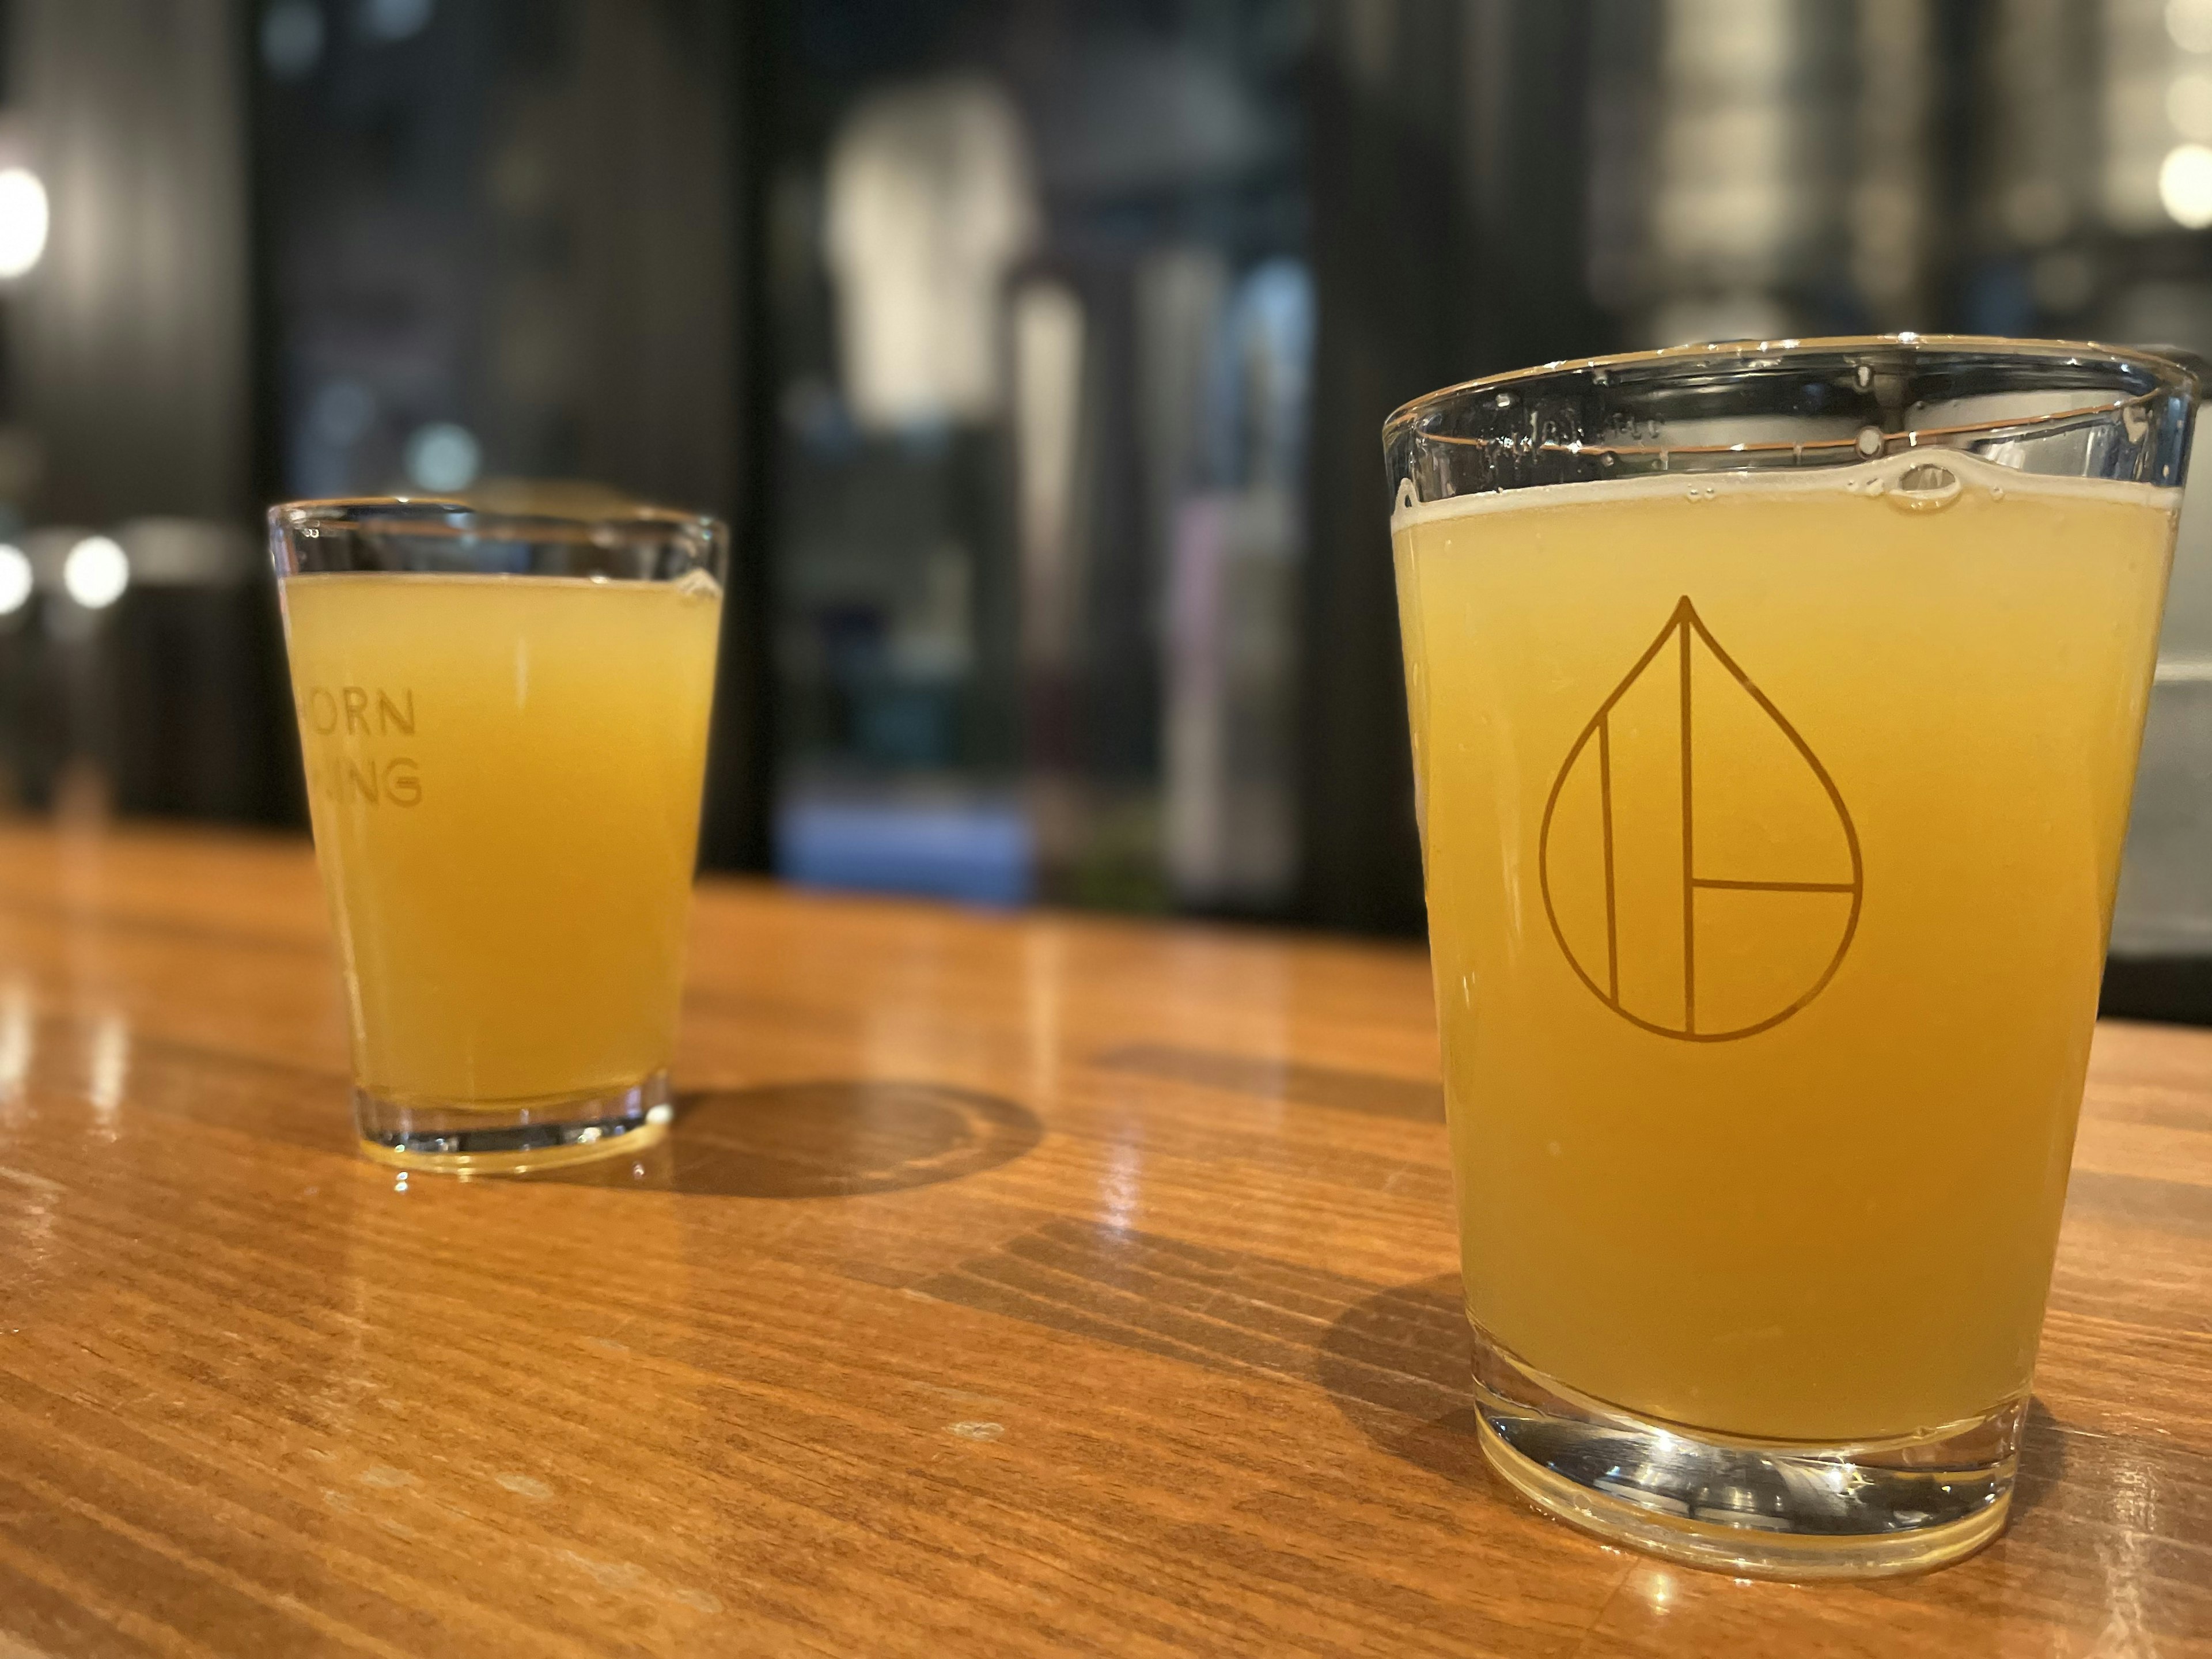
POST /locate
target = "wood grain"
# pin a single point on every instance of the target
(1011, 1285)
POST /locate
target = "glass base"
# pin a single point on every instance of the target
(1766, 1509)
(513, 1139)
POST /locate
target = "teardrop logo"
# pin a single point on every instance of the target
(1699, 865)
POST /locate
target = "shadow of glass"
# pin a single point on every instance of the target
(825, 1139)
(1398, 1364)
(2042, 1458)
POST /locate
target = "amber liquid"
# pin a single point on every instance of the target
(504, 776)
(1771, 827)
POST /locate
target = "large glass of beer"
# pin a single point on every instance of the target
(1775, 711)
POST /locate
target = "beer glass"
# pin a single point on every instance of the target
(504, 722)
(1775, 710)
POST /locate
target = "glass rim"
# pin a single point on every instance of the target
(2171, 377)
(436, 515)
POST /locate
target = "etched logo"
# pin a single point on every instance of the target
(343, 770)
(1699, 865)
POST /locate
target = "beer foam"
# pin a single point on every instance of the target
(1869, 481)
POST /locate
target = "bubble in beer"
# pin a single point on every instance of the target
(1926, 488)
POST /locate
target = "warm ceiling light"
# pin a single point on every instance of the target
(15, 579)
(22, 221)
(2184, 186)
(95, 573)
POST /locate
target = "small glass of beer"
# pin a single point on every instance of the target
(1775, 710)
(504, 722)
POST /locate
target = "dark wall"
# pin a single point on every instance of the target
(1447, 165)
(127, 346)
(128, 408)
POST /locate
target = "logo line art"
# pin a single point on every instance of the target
(1686, 630)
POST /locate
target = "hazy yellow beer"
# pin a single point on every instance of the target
(1771, 825)
(503, 774)
(503, 717)
(1775, 708)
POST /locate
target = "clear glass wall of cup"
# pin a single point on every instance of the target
(1775, 710)
(504, 722)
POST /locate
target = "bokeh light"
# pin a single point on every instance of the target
(15, 579)
(22, 221)
(442, 456)
(95, 573)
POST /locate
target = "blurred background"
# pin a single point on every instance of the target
(1037, 352)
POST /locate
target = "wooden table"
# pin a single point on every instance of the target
(1011, 1285)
